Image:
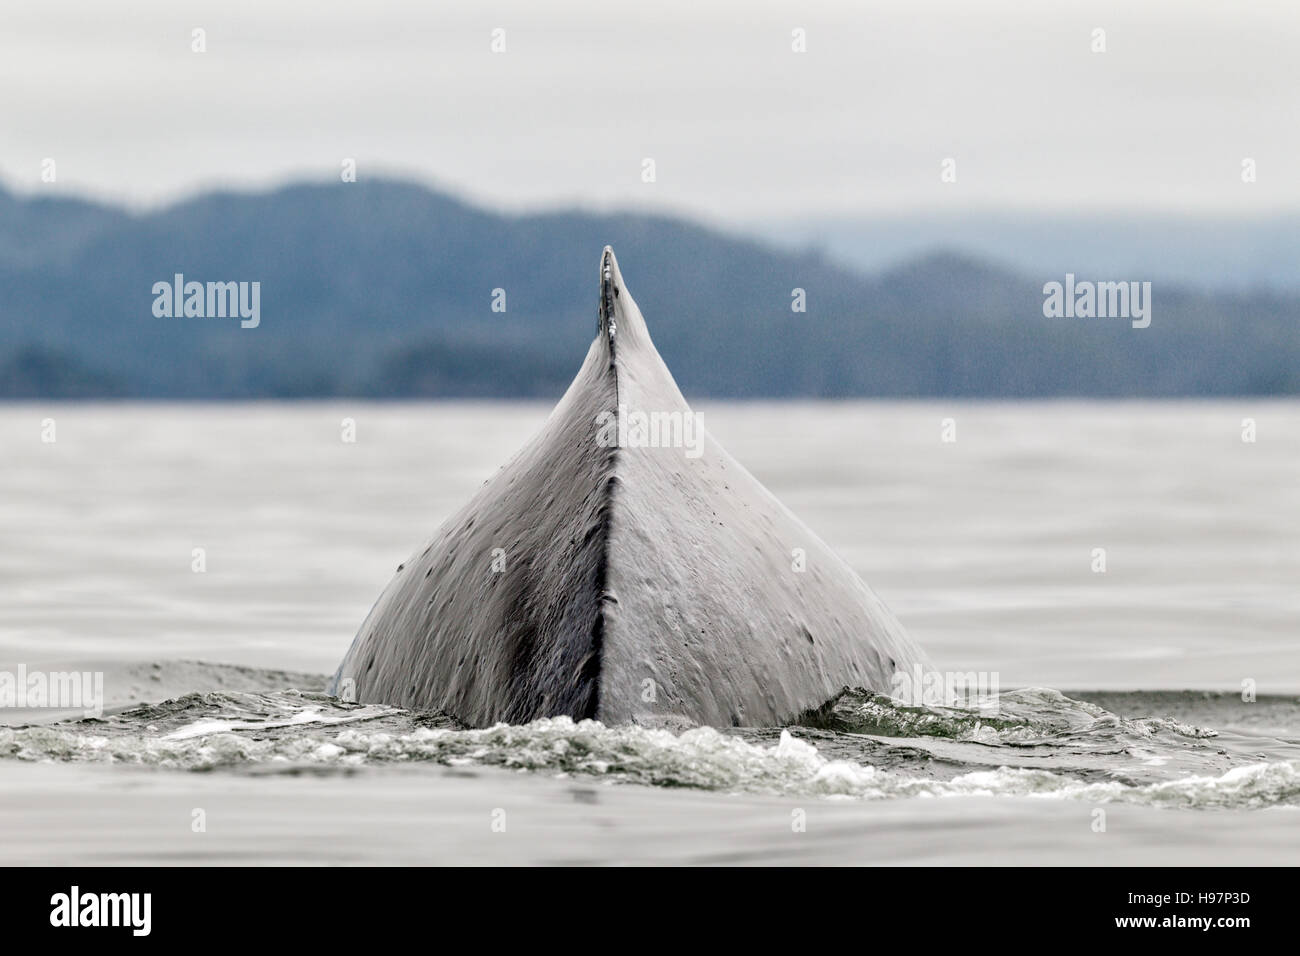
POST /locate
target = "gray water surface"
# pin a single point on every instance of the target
(1121, 691)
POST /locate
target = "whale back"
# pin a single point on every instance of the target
(606, 573)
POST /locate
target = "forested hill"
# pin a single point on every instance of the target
(388, 289)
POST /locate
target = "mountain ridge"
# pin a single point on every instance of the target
(386, 289)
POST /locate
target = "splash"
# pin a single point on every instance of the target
(859, 746)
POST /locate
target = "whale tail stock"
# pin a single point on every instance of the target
(622, 566)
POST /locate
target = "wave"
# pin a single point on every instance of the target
(1033, 742)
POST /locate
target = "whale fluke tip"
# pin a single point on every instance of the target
(609, 282)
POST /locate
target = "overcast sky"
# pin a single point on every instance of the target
(740, 127)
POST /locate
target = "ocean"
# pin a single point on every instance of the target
(1126, 571)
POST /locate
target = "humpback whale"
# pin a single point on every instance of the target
(603, 574)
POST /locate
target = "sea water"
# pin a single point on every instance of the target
(1128, 571)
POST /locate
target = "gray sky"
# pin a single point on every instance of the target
(740, 127)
